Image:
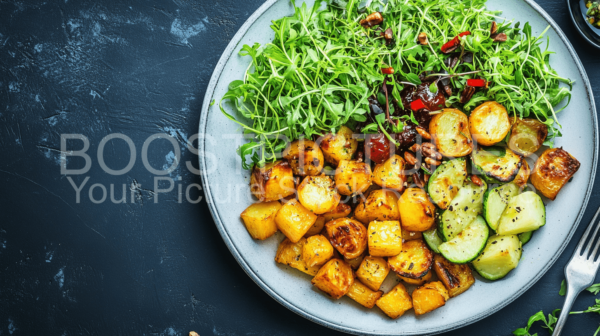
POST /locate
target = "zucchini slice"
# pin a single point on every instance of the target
(495, 201)
(497, 164)
(467, 245)
(500, 255)
(525, 237)
(463, 209)
(525, 212)
(446, 181)
(432, 239)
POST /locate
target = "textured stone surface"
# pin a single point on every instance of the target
(139, 68)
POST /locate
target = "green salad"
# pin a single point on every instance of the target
(328, 63)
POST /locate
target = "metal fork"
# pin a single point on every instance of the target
(581, 270)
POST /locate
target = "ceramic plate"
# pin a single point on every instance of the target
(226, 188)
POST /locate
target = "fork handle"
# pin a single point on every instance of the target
(572, 294)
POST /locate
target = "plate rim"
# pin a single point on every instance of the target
(208, 97)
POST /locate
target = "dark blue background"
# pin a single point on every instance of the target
(139, 68)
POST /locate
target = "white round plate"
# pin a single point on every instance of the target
(226, 188)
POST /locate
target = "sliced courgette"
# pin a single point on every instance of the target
(495, 201)
(497, 164)
(463, 209)
(500, 255)
(525, 212)
(525, 237)
(467, 245)
(445, 182)
(432, 239)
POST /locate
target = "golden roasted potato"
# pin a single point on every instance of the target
(339, 147)
(348, 236)
(316, 228)
(352, 177)
(305, 157)
(380, 205)
(363, 294)
(429, 297)
(373, 271)
(390, 174)
(294, 220)
(414, 261)
(259, 219)
(553, 170)
(417, 282)
(355, 262)
(450, 132)
(290, 254)
(385, 238)
(395, 302)
(272, 182)
(318, 194)
(342, 210)
(489, 123)
(527, 136)
(411, 235)
(317, 251)
(417, 213)
(334, 278)
(523, 174)
(456, 278)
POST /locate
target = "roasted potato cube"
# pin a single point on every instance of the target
(385, 238)
(553, 170)
(489, 123)
(290, 254)
(417, 282)
(334, 278)
(305, 157)
(318, 194)
(342, 210)
(417, 213)
(348, 236)
(363, 294)
(523, 174)
(380, 205)
(352, 177)
(317, 251)
(395, 302)
(340, 146)
(411, 235)
(259, 219)
(316, 228)
(390, 174)
(527, 136)
(272, 182)
(456, 278)
(429, 297)
(294, 220)
(355, 262)
(414, 261)
(373, 271)
(450, 132)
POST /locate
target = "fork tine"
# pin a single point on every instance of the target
(586, 233)
(586, 253)
(593, 255)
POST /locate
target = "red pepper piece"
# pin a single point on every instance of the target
(387, 71)
(476, 82)
(417, 105)
(448, 46)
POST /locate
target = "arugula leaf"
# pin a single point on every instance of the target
(594, 289)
